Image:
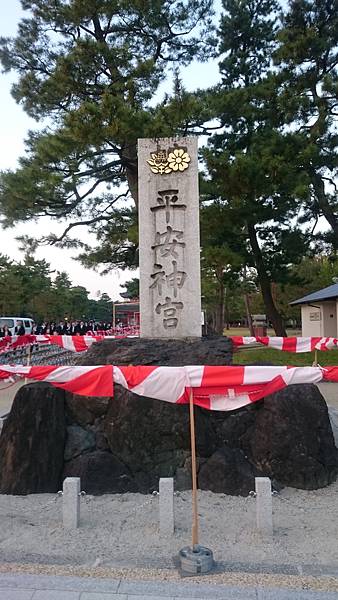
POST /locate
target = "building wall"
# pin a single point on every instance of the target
(311, 321)
(321, 321)
(329, 312)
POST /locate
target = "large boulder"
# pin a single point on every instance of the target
(287, 437)
(291, 439)
(228, 471)
(214, 350)
(153, 437)
(101, 472)
(127, 442)
(32, 441)
(85, 410)
(150, 437)
(78, 441)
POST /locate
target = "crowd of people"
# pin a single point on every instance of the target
(71, 328)
(60, 328)
(5, 331)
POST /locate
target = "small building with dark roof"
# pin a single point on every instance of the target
(319, 312)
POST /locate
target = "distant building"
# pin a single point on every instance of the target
(319, 312)
(127, 314)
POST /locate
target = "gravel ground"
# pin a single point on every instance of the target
(7, 394)
(122, 530)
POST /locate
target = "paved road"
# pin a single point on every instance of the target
(45, 587)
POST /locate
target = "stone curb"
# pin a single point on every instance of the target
(81, 588)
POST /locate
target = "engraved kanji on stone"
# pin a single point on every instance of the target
(167, 200)
(176, 279)
(169, 308)
(168, 242)
(159, 279)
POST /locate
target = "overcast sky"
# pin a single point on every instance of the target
(14, 124)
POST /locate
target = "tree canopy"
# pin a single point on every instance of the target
(272, 164)
(31, 289)
(89, 70)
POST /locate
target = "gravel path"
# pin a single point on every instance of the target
(122, 530)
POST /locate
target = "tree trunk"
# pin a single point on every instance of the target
(132, 179)
(247, 304)
(324, 205)
(271, 310)
(219, 321)
(226, 310)
(248, 313)
(129, 162)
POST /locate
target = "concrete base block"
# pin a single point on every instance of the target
(196, 560)
(71, 502)
(264, 506)
(167, 521)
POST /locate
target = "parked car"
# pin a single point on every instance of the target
(13, 322)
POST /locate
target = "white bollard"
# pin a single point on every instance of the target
(166, 489)
(71, 502)
(263, 506)
(2, 420)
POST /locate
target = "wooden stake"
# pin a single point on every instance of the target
(315, 364)
(193, 471)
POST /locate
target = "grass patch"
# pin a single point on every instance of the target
(244, 331)
(270, 356)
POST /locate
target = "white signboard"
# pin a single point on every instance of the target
(315, 316)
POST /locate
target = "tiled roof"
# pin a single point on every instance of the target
(327, 293)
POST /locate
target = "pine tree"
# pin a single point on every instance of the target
(132, 289)
(245, 159)
(307, 56)
(90, 70)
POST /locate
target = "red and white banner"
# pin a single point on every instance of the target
(213, 387)
(85, 381)
(289, 344)
(79, 343)
(74, 343)
(131, 331)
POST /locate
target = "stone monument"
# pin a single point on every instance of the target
(169, 247)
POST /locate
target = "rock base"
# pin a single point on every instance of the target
(32, 441)
(127, 443)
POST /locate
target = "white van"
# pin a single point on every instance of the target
(12, 322)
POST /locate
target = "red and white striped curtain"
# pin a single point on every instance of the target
(213, 387)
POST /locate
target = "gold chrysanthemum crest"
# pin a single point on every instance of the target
(164, 162)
